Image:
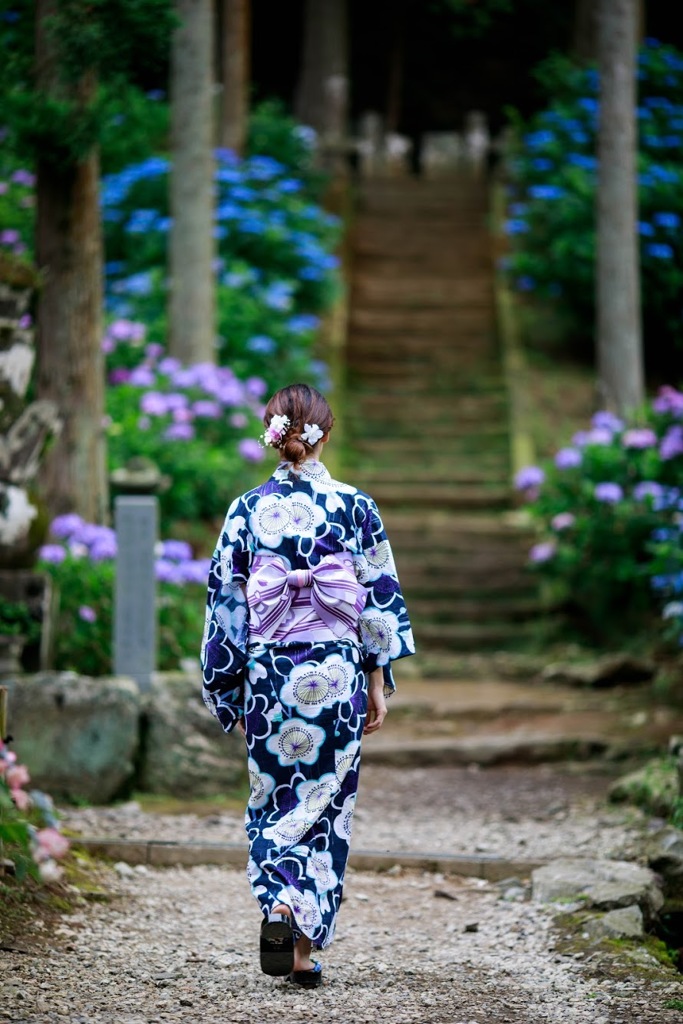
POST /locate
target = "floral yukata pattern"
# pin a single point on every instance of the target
(303, 602)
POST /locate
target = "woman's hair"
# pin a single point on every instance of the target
(301, 404)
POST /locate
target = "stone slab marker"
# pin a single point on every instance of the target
(135, 617)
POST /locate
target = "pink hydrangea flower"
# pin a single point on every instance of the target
(17, 776)
(51, 843)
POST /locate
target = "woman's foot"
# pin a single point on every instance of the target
(277, 944)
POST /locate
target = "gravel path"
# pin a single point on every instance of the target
(178, 946)
(527, 812)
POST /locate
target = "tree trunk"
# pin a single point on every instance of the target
(619, 343)
(585, 38)
(236, 50)
(322, 94)
(585, 41)
(192, 305)
(69, 323)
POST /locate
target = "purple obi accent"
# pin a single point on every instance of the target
(336, 596)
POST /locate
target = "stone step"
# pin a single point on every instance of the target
(449, 355)
(431, 561)
(457, 581)
(453, 258)
(431, 323)
(469, 609)
(428, 416)
(472, 636)
(408, 475)
(443, 370)
(467, 425)
(493, 443)
(444, 495)
(441, 523)
(448, 293)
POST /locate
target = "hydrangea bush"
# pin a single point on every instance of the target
(80, 558)
(275, 269)
(198, 424)
(551, 209)
(29, 829)
(610, 509)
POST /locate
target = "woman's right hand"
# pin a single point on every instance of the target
(377, 705)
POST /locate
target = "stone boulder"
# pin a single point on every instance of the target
(625, 923)
(185, 752)
(654, 787)
(78, 736)
(665, 856)
(603, 884)
(608, 670)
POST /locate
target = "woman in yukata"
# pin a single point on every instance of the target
(304, 617)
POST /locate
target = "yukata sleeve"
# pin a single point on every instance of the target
(226, 630)
(384, 625)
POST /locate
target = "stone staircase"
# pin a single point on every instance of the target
(427, 420)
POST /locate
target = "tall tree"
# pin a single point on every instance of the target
(322, 93)
(69, 252)
(65, 62)
(619, 337)
(192, 293)
(235, 51)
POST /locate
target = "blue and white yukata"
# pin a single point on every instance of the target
(303, 602)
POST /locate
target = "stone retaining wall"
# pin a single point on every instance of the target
(95, 739)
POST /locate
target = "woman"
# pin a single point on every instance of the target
(304, 617)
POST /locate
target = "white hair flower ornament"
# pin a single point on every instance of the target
(311, 433)
(275, 431)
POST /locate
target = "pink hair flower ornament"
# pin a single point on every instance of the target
(274, 432)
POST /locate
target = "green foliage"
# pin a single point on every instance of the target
(134, 125)
(474, 19)
(552, 168)
(273, 132)
(15, 836)
(92, 51)
(16, 620)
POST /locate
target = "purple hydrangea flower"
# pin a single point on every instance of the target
(238, 420)
(167, 571)
(562, 521)
(179, 432)
(599, 435)
(647, 489)
(142, 377)
(639, 437)
(568, 458)
(668, 400)
(66, 525)
(250, 450)
(87, 614)
(672, 443)
(153, 403)
(119, 376)
(542, 552)
(529, 477)
(609, 493)
(104, 549)
(52, 553)
(206, 408)
(176, 550)
(608, 421)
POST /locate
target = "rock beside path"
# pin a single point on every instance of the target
(603, 884)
